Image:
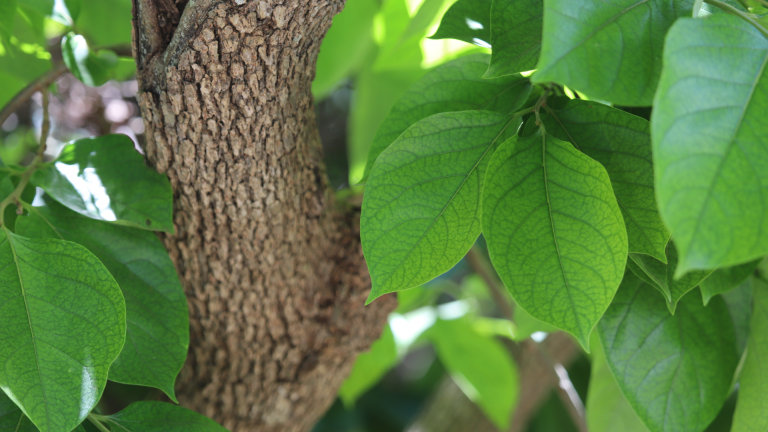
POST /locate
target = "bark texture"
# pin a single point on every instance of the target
(271, 265)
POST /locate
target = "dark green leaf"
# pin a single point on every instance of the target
(93, 69)
(158, 323)
(161, 417)
(421, 211)
(12, 419)
(467, 20)
(607, 50)
(105, 178)
(62, 325)
(726, 279)
(739, 301)
(515, 36)
(710, 144)
(621, 142)
(674, 370)
(554, 231)
(369, 367)
(454, 86)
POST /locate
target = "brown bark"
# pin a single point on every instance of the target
(271, 264)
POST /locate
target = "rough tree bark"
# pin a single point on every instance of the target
(271, 264)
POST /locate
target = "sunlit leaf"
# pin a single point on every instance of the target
(467, 20)
(515, 36)
(93, 69)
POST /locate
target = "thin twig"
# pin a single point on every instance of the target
(35, 86)
(743, 15)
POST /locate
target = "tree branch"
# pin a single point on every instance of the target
(35, 86)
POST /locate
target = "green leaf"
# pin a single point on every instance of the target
(481, 367)
(661, 276)
(555, 233)
(726, 279)
(515, 36)
(608, 409)
(751, 413)
(674, 370)
(710, 142)
(607, 50)
(93, 69)
(421, 211)
(7, 17)
(739, 301)
(62, 324)
(467, 20)
(156, 307)
(106, 23)
(454, 86)
(369, 368)
(151, 416)
(105, 178)
(12, 419)
(621, 142)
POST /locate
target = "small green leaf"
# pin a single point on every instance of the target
(369, 367)
(105, 178)
(621, 142)
(93, 69)
(726, 279)
(710, 142)
(674, 370)
(555, 233)
(421, 211)
(62, 324)
(607, 50)
(454, 86)
(515, 36)
(156, 307)
(751, 413)
(150, 416)
(467, 20)
(481, 367)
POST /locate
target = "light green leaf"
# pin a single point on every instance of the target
(607, 50)
(454, 86)
(62, 322)
(515, 36)
(105, 178)
(752, 406)
(106, 23)
(421, 211)
(710, 142)
(555, 233)
(674, 370)
(158, 320)
(481, 367)
(661, 276)
(621, 142)
(151, 416)
(7, 17)
(726, 279)
(608, 409)
(467, 20)
(93, 69)
(369, 368)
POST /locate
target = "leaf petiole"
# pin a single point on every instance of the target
(96, 420)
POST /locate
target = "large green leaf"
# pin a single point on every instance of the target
(554, 231)
(62, 323)
(608, 409)
(157, 316)
(150, 416)
(710, 142)
(621, 142)
(105, 178)
(481, 367)
(92, 68)
(421, 211)
(607, 50)
(725, 279)
(7, 18)
(454, 86)
(661, 276)
(752, 406)
(467, 20)
(106, 23)
(515, 36)
(369, 367)
(739, 301)
(674, 370)
(13, 419)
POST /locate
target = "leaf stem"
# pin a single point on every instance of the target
(735, 12)
(95, 420)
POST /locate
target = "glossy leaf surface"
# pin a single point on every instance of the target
(63, 324)
(105, 178)
(725, 279)
(467, 20)
(674, 370)
(421, 211)
(710, 142)
(515, 36)
(92, 68)
(150, 416)
(555, 233)
(607, 50)
(156, 307)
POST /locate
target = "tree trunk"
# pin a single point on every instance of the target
(271, 264)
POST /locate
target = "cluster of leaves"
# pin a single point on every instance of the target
(596, 217)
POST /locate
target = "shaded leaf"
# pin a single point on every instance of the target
(739, 301)
(369, 368)
(93, 69)
(516, 27)
(467, 20)
(726, 279)
(150, 416)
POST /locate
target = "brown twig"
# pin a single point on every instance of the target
(40, 84)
